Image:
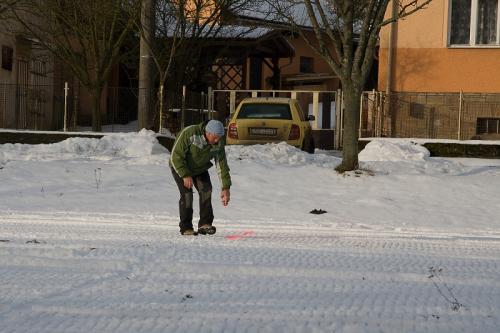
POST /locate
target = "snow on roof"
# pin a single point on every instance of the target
(278, 12)
(239, 31)
(217, 31)
(282, 12)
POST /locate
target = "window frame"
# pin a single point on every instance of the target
(7, 55)
(307, 63)
(487, 121)
(473, 28)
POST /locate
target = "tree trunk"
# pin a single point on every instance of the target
(352, 97)
(145, 112)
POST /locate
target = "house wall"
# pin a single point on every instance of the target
(7, 76)
(292, 66)
(7, 88)
(424, 63)
(26, 91)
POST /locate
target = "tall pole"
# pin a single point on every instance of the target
(66, 88)
(460, 109)
(145, 107)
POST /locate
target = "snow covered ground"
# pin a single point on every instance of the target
(89, 242)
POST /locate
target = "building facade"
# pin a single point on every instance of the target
(440, 69)
(451, 46)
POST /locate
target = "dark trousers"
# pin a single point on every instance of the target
(204, 187)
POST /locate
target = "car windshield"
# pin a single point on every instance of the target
(265, 111)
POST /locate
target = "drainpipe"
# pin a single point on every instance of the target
(390, 47)
(390, 64)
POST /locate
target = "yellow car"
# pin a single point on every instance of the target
(270, 119)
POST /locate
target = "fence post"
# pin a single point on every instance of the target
(183, 107)
(341, 133)
(4, 104)
(360, 115)
(232, 101)
(460, 106)
(338, 106)
(380, 113)
(210, 96)
(75, 105)
(316, 109)
(66, 88)
(160, 93)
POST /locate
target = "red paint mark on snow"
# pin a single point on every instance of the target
(241, 235)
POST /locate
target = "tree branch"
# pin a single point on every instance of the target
(408, 9)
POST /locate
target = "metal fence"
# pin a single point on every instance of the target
(182, 109)
(26, 106)
(58, 108)
(459, 116)
(191, 107)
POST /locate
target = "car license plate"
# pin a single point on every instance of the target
(263, 131)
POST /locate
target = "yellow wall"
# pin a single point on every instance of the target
(443, 70)
(424, 63)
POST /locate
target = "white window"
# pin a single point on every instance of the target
(474, 23)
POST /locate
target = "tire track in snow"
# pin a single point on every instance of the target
(281, 279)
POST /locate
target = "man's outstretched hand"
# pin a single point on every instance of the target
(225, 196)
(188, 182)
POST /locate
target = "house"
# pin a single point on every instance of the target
(26, 83)
(270, 56)
(442, 65)
(33, 94)
(304, 70)
(277, 59)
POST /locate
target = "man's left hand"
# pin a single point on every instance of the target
(225, 196)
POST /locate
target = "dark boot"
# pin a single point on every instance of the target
(207, 229)
(189, 232)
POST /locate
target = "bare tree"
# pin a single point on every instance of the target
(6, 4)
(346, 34)
(87, 36)
(184, 30)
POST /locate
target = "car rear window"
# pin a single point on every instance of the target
(265, 111)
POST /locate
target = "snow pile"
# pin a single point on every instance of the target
(141, 144)
(279, 154)
(121, 145)
(402, 156)
(379, 150)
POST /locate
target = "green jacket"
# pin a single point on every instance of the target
(191, 154)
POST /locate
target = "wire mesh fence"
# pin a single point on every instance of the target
(459, 116)
(53, 108)
(178, 110)
(26, 106)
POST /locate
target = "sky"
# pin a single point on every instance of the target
(89, 241)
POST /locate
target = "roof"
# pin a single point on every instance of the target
(277, 13)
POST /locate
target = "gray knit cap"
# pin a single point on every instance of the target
(215, 127)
